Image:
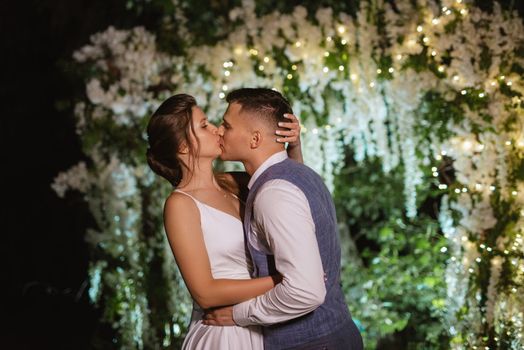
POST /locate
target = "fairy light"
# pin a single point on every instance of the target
(298, 44)
(391, 69)
(419, 29)
(433, 53)
(463, 12)
(238, 51)
(353, 77)
(448, 12)
(253, 52)
(341, 68)
(290, 76)
(442, 186)
(425, 40)
(315, 131)
(443, 249)
(502, 77)
(457, 190)
(481, 95)
(399, 57)
(325, 69)
(456, 77)
(435, 174)
(294, 67)
(227, 73)
(441, 69)
(326, 54)
(492, 188)
(329, 39)
(514, 193)
(266, 59)
(261, 68)
(435, 21)
(224, 87)
(341, 29)
(463, 92)
(509, 83)
(379, 71)
(343, 41)
(372, 84)
(480, 147)
(508, 143)
(478, 260)
(478, 187)
(467, 145)
(221, 95)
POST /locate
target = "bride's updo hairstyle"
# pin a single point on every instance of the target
(168, 130)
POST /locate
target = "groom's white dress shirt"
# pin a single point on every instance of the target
(282, 225)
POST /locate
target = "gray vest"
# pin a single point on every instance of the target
(333, 313)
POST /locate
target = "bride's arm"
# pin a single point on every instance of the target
(183, 228)
(292, 137)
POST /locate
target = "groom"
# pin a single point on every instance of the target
(291, 229)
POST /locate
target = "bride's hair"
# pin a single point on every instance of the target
(168, 130)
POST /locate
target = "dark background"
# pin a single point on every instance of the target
(44, 258)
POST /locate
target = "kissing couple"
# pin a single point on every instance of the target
(259, 251)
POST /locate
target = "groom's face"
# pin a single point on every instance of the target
(235, 134)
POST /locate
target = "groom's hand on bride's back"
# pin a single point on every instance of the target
(220, 316)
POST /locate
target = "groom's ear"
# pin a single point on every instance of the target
(256, 139)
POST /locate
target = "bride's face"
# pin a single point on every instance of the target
(208, 143)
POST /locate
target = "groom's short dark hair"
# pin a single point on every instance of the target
(267, 103)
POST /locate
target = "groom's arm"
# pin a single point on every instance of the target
(282, 214)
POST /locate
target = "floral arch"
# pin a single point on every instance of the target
(419, 85)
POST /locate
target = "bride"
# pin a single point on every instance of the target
(202, 218)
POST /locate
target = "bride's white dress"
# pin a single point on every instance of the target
(224, 239)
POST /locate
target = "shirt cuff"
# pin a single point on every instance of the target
(241, 314)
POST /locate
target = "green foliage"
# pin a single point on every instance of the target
(396, 287)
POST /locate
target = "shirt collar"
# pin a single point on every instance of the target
(274, 159)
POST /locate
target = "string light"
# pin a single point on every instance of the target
(261, 68)
(391, 69)
(325, 69)
(326, 54)
(481, 95)
(294, 67)
(341, 68)
(290, 76)
(343, 41)
(435, 21)
(353, 77)
(379, 71)
(298, 44)
(419, 29)
(341, 29)
(227, 73)
(224, 87)
(463, 92)
(442, 186)
(221, 95)
(266, 59)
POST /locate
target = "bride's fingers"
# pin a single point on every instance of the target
(286, 132)
(291, 126)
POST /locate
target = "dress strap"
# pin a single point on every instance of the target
(187, 194)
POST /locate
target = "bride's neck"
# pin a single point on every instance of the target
(198, 177)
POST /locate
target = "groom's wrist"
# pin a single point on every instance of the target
(240, 314)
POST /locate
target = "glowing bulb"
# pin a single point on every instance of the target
(463, 12)
(442, 186)
(328, 39)
(443, 249)
(253, 52)
(441, 69)
(227, 73)
(425, 40)
(481, 95)
(433, 53)
(326, 54)
(508, 143)
(221, 95)
(463, 92)
(261, 67)
(341, 68)
(298, 44)
(514, 193)
(341, 29)
(372, 84)
(294, 67)
(509, 83)
(266, 59)
(379, 71)
(419, 29)
(435, 21)
(290, 76)
(399, 57)
(455, 78)
(353, 77)
(238, 51)
(391, 69)
(343, 41)
(325, 69)
(224, 87)
(457, 190)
